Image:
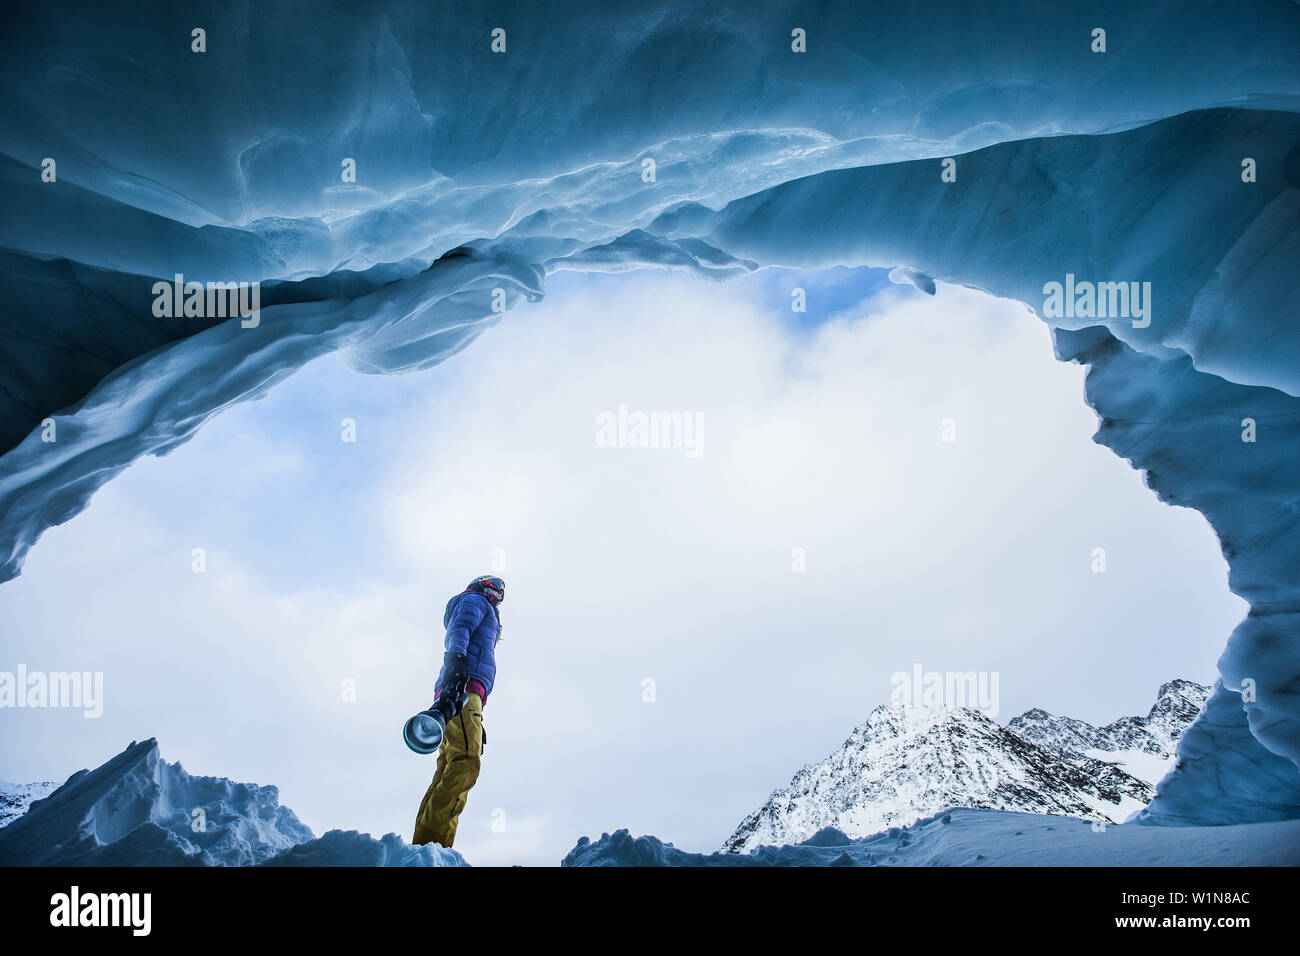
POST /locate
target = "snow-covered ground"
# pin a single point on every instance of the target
(966, 837)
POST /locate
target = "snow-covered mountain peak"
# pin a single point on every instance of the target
(15, 798)
(1156, 734)
(905, 762)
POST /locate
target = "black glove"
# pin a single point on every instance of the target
(455, 672)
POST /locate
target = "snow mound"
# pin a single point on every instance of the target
(350, 848)
(139, 810)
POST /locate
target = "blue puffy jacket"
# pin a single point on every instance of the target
(473, 627)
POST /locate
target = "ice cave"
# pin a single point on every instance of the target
(395, 177)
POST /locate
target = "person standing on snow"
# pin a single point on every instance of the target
(468, 669)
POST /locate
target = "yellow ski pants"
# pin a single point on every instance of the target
(459, 759)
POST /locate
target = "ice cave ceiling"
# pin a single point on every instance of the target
(615, 135)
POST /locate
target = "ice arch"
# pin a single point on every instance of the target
(479, 173)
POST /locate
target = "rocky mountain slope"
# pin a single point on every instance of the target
(15, 798)
(905, 763)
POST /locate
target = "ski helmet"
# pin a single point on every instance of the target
(490, 586)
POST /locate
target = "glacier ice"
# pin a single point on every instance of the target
(139, 810)
(1226, 775)
(479, 175)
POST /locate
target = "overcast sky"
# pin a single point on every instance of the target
(330, 562)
